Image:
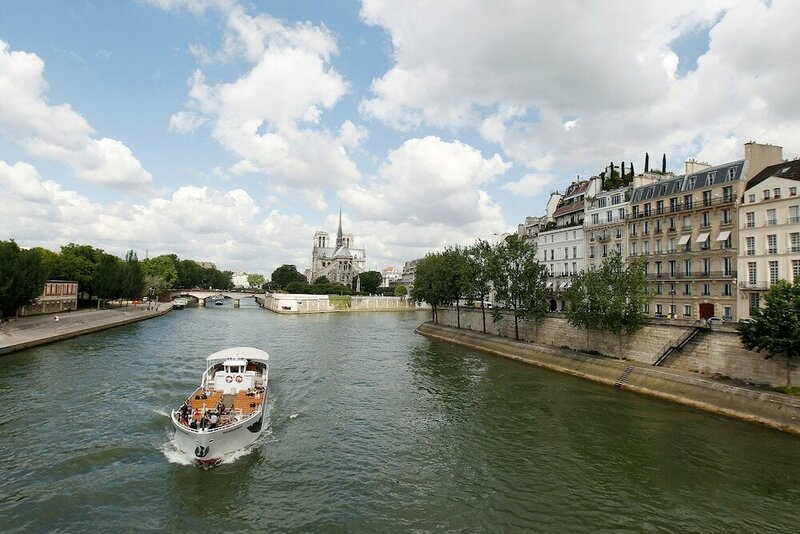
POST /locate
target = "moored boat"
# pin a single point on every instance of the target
(179, 303)
(226, 413)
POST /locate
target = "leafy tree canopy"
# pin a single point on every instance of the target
(370, 280)
(286, 274)
(22, 277)
(255, 280)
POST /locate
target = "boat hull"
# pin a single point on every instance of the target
(209, 446)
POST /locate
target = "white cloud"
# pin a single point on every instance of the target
(564, 87)
(429, 182)
(270, 117)
(530, 185)
(57, 132)
(185, 122)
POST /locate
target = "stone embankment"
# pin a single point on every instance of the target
(294, 303)
(27, 332)
(774, 410)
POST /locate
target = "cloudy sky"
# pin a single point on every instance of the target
(230, 131)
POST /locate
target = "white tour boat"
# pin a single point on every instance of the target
(226, 413)
(179, 303)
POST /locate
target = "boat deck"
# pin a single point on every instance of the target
(203, 404)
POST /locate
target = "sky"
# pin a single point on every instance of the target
(230, 131)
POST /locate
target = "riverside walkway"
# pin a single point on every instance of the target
(26, 332)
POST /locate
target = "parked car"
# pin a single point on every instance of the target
(747, 320)
(715, 320)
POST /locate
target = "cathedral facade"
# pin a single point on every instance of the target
(339, 261)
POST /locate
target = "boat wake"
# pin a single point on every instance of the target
(174, 455)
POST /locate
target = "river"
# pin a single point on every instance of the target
(372, 428)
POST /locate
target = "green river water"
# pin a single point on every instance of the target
(372, 428)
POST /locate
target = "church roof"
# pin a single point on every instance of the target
(342, 252)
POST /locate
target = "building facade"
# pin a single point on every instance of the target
(339, 261)
(57, 296)
(769, 233)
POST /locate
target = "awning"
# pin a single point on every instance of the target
(549, 285)
(723, 236)
(566, 284)
(702, 238)
(684, 239)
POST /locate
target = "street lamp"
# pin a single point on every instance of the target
(671, 303)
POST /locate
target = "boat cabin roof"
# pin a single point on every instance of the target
(237, 356)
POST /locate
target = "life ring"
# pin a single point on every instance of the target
(239, 379)
(229, 379)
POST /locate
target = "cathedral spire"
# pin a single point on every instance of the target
(339, 238)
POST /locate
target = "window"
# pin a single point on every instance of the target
(659, 310)
(751, 198)
(727, 266)
(601, 202)
(605, 250)
(727, 193)
(566, 269)
(671, 244)
(633, 229)
(776, 193)
(646, 228)
(706, 198)
(726, 216)
(771, 218)
(672, 269)
(727, 312)
(619, 233)
(773, 272)
(646, 248)
(566, 252)
(687, 222)
(706, 290)
(615, 199)
(692, 181)
(673, 204)
(772, 244)
(660, 207)
(658, 247)
(658, 227)
(706, 220)
(794, 214)
(687, 289)
(659, 289)
(609, 216)
(792, 191)
(727, 290)
(710, 178)
(672, 223)
(647, 209)
(574, 252)
(731, 174)
(658, 268)
(687, 202)
(751, 219)
(622, 214)
(794, 242)
(687, 267)
(795, 269)
(591, 252)
(595, 218)
(574, 268)
(706, 266)
(766, 194)
(687, 310)
(552, 254)
(752, 273)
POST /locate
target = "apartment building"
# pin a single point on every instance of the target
(560, 243)
(685, 228)
(769, 233)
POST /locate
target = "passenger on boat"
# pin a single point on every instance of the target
(213, 421)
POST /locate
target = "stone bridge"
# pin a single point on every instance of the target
(203, 295)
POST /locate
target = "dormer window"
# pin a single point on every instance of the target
(731, 174)
(710, 178)
(692, 180)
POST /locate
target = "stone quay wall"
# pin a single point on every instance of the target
(289, 303)
(715, 352)
(774, 410)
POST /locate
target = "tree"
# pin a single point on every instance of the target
(515, 274)
(79, 263)
(430, 283)
(286, 274)
(776, 328)
(255, 280)
(108, 282)
(610, 299)
(400, 291)
(646, 162)
(370, 280)
(480, 257)
(664, 164)
(22, 277)
(161, 271)
(133, 277)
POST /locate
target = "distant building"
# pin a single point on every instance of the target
(57, 296)
(390, 277)
(409, 273)
(339, 262)
(206, 265)
(239, 279)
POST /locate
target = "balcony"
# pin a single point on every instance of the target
(754, 286)
(702, 275)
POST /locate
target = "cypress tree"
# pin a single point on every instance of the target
(664, 164)
(646, 162)
(632, 174)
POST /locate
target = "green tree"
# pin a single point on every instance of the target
(370, 280)
(321, 280)
(133, 277)
(79, 263)
(457, 278)
(430, 283)
(255, 280)
(610, 299)
(480, 257)
(161, 272)
(400, 290)
(22, 277)
(285, 274)
(515, 273)
(776, 328)
(298, 286)
(108, 281)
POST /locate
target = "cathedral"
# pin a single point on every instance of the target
(340, 263)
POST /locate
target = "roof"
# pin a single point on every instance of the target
(708, 177)
(343, 252)
(235, 353)
(569, 208)
(789, 170)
